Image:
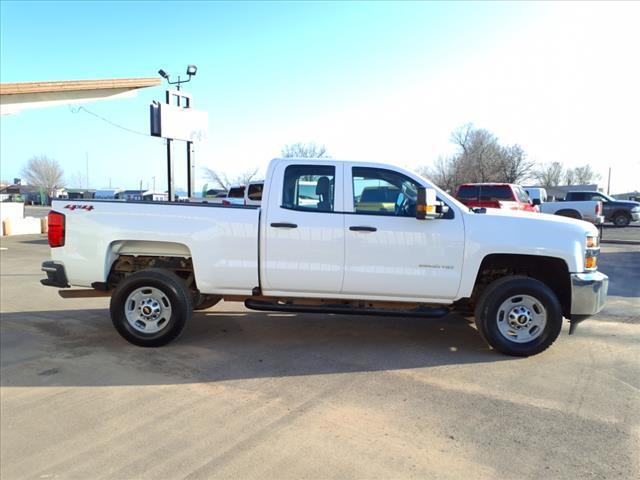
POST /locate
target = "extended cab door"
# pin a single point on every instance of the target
(304, 229)
(388, 252)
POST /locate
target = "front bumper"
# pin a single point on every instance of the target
(588, 293)
(56, 276)
(635, 216)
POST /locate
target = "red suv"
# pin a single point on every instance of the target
(495, 195)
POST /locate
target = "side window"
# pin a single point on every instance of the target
(255, 191)
(383, 192)
(309, 187)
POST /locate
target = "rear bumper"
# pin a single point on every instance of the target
(56, 276)
(588, 293)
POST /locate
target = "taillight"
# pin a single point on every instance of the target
(56, 229)
(226, 202)
(598, 208)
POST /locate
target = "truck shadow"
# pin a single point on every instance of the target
(81, 347)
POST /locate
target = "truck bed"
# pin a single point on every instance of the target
(221, 240)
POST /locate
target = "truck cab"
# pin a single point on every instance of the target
(620, 212)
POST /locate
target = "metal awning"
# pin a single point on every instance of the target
(20, 96)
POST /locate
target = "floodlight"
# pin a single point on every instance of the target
(191, 70)
(163, 74)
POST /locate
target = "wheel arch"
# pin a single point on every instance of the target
(569, 212)
(129, 256)
(552, 271)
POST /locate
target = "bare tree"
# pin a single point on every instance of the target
(570, 176)
(43, 172)
(480, 158)
(550, 174)
(585, 175)
(223, 181)
(78, 180)
(304, 150)
(513, 165)
(445, 173)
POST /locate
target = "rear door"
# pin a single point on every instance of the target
(304, 229)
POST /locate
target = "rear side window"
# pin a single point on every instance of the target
(255, 191)
(486, 193)
(309, 187)
(468, 193)
(236, 192)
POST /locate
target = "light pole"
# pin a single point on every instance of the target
(184, 101)
(191, 72)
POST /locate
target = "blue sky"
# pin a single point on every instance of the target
(377, 81)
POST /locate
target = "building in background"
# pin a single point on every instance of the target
(129, 195)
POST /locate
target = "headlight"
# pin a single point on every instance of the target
(593, 241)
(635, 209)
(591, 252)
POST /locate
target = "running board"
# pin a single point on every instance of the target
(428, 312)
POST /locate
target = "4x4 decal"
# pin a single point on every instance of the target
(71, 206)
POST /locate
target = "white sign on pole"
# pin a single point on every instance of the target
(177, 123)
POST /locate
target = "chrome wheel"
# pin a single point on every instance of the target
(521, 318)
(148, 310)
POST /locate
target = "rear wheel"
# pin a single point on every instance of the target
(150, 307)
(519, 316)
(621, 219)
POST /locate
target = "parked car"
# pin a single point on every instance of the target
(250, 194)
(495, 195)
(620, 212)
(253, 192)
(536, 193)
(321, 249)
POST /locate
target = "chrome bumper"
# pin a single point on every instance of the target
(635, 216)
(588, 292)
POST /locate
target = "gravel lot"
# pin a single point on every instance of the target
(264, 395)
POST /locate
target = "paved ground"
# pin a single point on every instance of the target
(258, 395)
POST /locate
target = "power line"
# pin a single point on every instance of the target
(114, 124)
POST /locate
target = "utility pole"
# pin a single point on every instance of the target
(86, 157)
(609, 182)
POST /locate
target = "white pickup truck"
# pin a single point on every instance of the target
(330, 237)
(590, 211)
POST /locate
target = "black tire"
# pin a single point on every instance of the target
(502, 290)
(203, 302)
(621, 219)
(160, 283)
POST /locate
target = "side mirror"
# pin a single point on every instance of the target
(535, 201)
(426, 204)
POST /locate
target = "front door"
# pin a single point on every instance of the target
(388, 252)
(304, 230)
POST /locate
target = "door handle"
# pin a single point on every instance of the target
(363, 229)
(284, 225)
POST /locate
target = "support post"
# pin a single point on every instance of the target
(170, 180)
(190, 169)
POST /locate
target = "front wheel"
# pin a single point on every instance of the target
(150, 307)
(621, 220)
(519, 316)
